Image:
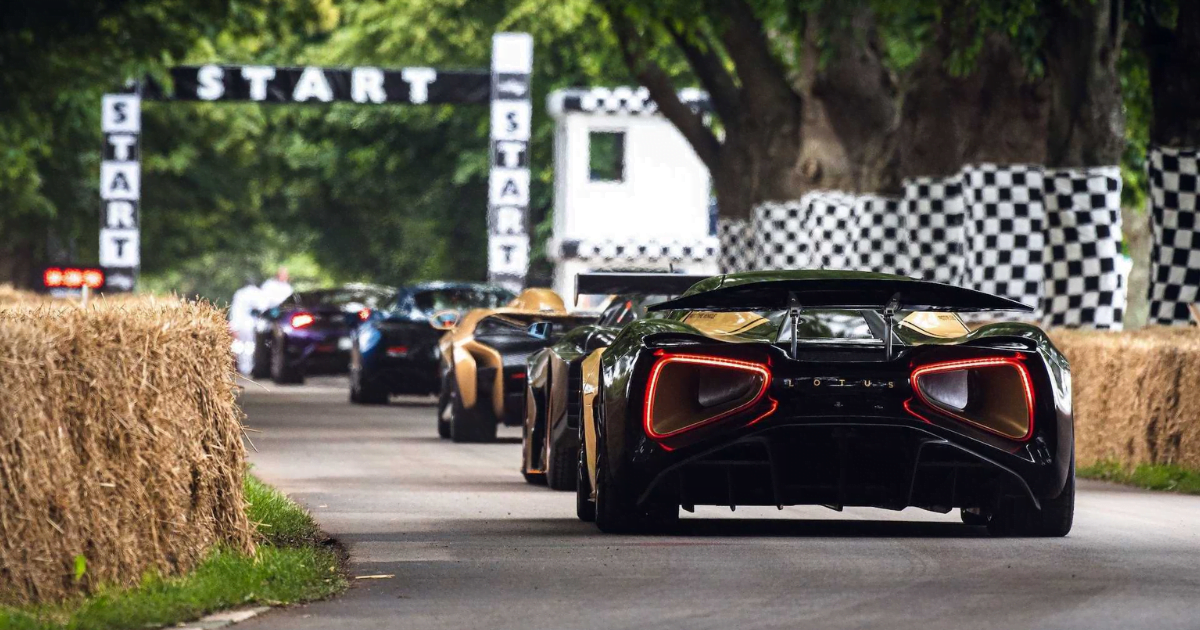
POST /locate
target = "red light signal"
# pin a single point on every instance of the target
(72, 278)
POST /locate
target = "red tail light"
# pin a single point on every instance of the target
(300, 320)
(994, 394)
(72, 277)
(364, 314)
(93, 278)
(397, 351)
(52, 277)
(686, 392)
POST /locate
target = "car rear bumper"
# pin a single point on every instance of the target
(403, 376)
(320, 351)
(872, 463)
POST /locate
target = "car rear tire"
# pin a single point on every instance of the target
(534, 478)
(365, 393)
(260, 359)
(585, 508)
(283, 372)
(443, 414)
(561, 467)
(617, 511)
(477, 424)
(1019, 518)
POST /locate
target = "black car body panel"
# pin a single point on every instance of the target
(840, 422)
(310, 331)
(551, 436)
(396, 349)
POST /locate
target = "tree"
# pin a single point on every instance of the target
(1169, 34)
(858, 95)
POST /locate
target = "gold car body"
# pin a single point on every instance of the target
(461, 353)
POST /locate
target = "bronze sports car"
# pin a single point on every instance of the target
(827, 388)
(482, 366)
(551, 431)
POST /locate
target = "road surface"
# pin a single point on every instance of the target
(471, 546)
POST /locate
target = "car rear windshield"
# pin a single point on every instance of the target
(829, 324)
(460, 299)
(341, 298)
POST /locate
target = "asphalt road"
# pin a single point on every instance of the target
(470, 545)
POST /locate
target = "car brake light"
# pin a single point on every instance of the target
(397, 351)
(364, 314)
(52, 277)
(685, 392)
(300, 320)
(994, 394)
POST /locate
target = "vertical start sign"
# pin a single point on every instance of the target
(508, 181)
(120, 189)
(506, 88)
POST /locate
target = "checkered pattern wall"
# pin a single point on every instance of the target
(1175, 256)
(1050, 239)
(1084, 281)
(634, 253)
(780, 235)
(933, 207)
(880, 235)
(1005, 230)
(737, 248)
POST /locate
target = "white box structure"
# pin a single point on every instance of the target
(648, 206)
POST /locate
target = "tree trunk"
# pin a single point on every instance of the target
(852, 109)
(1086, 124)
(994, 114)
(1174, 77)
(758, 159)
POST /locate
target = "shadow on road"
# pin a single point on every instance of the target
(412, 402)
(826, 528)
(690, 531)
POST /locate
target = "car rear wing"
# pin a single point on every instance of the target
(622, 283)
(755, 292)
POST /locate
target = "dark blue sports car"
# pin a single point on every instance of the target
(395, 351)
(310, 331)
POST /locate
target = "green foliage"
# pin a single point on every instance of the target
(1166, 477)
(1135, 94)
(279, 521)
(386, 194)
(289, 566)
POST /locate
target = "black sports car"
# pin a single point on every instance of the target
(828, 388)
(551, 429)
(310, 331)
(395, 351)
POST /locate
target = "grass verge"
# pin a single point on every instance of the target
(1149, 476)
(291, 565)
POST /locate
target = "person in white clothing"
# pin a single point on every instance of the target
(276, 290)
(246, 303)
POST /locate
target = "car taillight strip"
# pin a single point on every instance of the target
(760, 369)
(966, 364)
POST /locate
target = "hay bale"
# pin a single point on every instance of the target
(120, 441)
(1134, 395)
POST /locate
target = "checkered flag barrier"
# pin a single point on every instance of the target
(936, 216)
(1084, 284)
(880, 240)
(1175, 255)
(737, 246)
(1005, 231)
(780, 236)
(987, 228)
(619, 100)
(830, 223)
(638, 253)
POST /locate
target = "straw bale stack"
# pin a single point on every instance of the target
(1136, 395)
(120, 443)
